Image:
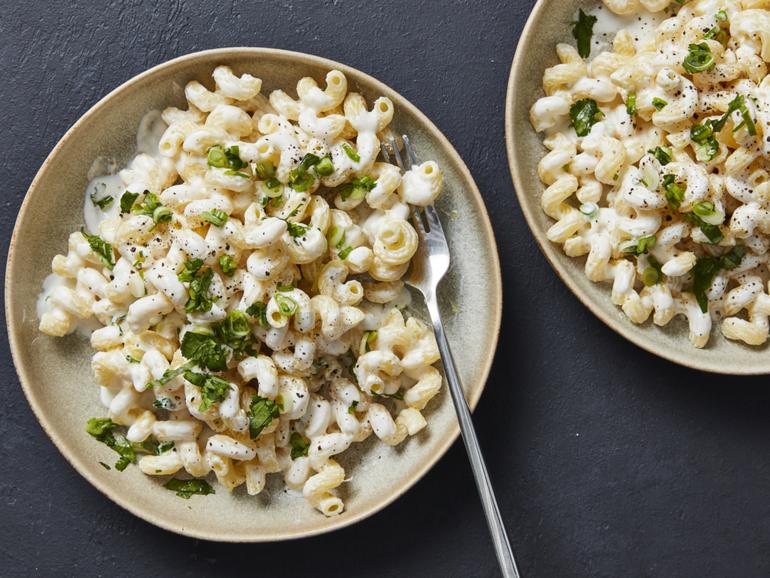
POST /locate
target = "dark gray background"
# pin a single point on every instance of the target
(607, 461)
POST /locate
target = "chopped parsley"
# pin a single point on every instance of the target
(199, 299)
(167, 376)
(204, 350)
(101, 248)
(300, 179)
(102, 203)
(706, 268)
(296, 229)
(127, 201)
(258, 310)
(234, 331)
(584, 114)
(299, 445)
(582, 31)
(103, 429)
(189, 269)
(662, 154)
(213, 389)
(712, 232)
(659, 103)
(186, 488)
(261, 412)
(352, 407)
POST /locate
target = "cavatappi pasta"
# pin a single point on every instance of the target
(216, 275)
(657, 171)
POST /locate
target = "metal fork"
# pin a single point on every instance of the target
(429, 266)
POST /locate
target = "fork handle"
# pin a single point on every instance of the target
(487, 494)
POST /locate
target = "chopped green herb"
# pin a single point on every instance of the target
(103, 429)
(285, 288)
(299, 445)
(105, 466)
(216, 217)
(712, 232)
(296, 229)
(264, 170)
(369, 338)
(351, 152)
(706, 268)
(720, 32)
(228, 265)
(102, 203)
(189, 270)
(299, 178)
(336, 237)
(699, 58)
(286, 305)
(222, 158)
(101, 248)
(235, 332)
(127, 201)
(164, 447)
(662, 154)
(150, 206)
(258, 310)
(186, 488)
(357, 188)
(631, 104)
(352, 407)
(168, 375)
(325, 167)
(274, 188)
(164, 403)
(261, 412)
(234, 173)
(343, 254)
(204, 350)
(659, 103)
(674, 191)
(653, 273)
(582, 31)
(639, 246)
(199, 299)
(213, 389)
(584, 114)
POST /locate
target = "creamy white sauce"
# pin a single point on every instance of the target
(84, 327)
(105, 180)
(375, 313)
(99, 188)
(641, 25)
(151, 129)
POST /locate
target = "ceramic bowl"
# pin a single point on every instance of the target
(548, 24)
(55, 372)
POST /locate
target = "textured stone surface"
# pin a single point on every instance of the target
(607, 461)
